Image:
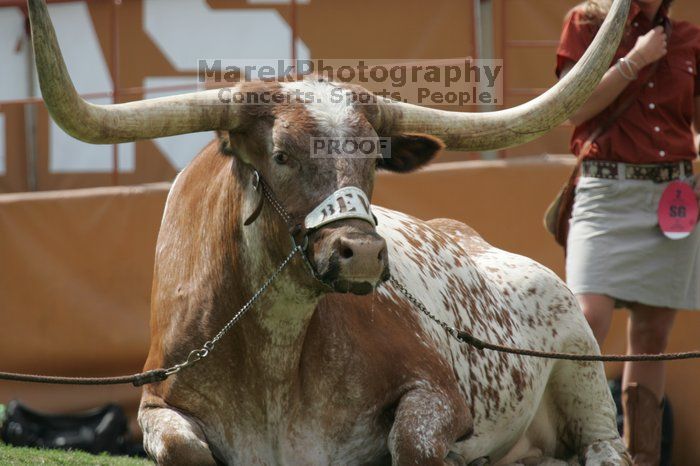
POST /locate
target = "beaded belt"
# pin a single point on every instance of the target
(656, 172)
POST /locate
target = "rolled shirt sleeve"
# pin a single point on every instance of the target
(577, 34)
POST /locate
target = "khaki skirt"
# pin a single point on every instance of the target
(616, 248)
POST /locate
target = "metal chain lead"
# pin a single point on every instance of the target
(421, 307)
(158, 375)
(280, 210)
(203, 352)
(469, 339)
(260, 185)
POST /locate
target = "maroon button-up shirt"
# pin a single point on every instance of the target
(657, 127)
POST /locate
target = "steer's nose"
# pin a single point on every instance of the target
(362, 258)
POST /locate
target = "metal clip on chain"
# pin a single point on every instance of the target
(197, 355)
(201, 353)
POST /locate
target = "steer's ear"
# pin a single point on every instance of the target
(225, 142)
(410, 151)
(229, 144)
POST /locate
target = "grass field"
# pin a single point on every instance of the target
(30, 456)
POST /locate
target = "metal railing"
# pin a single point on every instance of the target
(507, 45)
(123, 94)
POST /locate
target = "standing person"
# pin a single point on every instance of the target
(635, 136)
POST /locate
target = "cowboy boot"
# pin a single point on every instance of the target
(642, 425)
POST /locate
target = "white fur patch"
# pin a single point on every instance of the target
(328, 104)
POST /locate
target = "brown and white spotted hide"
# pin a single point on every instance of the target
(315, 377)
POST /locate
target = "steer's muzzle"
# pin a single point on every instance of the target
(350, 259)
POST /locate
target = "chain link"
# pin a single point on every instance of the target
(421, 307)
(277, 206)
(201, 353)
(469, 339)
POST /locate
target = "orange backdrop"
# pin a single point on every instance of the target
(77, 266)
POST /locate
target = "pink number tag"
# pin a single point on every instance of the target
(678, 210)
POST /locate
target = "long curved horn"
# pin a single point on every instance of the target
(518, 125)
(110, 124)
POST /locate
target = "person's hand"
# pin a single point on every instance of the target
(649, 48)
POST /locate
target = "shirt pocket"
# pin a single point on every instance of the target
(594, 196)
(684, 70)
(597, 186)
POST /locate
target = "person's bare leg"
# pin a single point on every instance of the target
(598, 310)
(648, 329)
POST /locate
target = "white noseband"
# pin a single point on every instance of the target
(348, 202)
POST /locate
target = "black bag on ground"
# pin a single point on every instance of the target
(99, 430)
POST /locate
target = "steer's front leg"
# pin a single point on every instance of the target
(607, 452)
(427, 422)
(171, 437)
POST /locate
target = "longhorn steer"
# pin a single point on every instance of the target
(316, 377)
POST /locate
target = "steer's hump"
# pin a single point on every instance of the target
(465, 235)
(529, 288)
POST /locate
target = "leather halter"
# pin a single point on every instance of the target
(344, 203)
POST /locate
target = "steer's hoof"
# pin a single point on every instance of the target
(483, 461)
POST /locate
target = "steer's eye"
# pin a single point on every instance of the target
(280, 158)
